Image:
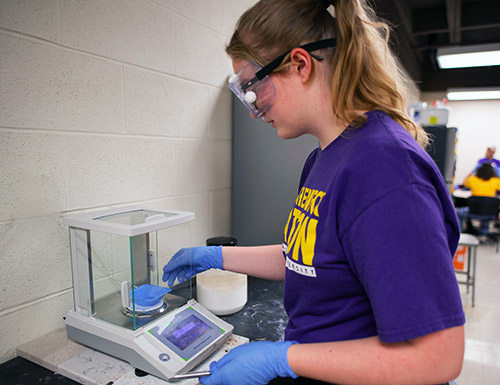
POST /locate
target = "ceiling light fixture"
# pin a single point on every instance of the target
(469, 56)
(473, 93)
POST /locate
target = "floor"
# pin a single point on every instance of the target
(482, 329)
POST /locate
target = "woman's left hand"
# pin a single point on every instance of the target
(253, 364)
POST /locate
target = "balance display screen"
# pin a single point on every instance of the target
(187, 333)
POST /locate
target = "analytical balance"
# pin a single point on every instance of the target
(120, 307)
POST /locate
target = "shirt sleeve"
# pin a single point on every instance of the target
(497, 184)
(399, 248)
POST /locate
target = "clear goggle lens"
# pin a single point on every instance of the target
(253, 86)
(257, 95)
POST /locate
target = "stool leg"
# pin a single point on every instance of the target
(469, 281)
(473, 273)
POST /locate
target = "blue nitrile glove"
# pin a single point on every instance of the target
(188, 262)
(251, 364)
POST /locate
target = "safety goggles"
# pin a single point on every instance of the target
(253, 86)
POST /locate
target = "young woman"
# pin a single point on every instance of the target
(485, 183)
(367, 250)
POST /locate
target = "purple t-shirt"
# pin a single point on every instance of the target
(370, 240)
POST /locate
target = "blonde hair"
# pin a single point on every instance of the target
(365, 75)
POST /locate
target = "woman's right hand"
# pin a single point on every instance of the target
(188, 262)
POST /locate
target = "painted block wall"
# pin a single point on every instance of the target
(105, 103)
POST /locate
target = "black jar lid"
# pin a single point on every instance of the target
(222, 241)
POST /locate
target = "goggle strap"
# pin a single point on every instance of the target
(315, 45)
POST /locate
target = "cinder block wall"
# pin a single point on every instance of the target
(104, 103)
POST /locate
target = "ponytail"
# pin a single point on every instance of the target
(365, 73)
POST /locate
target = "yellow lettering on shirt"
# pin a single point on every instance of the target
(301, 226)
(317, 201)
(305, 241)
(287, 225)
(298, 217)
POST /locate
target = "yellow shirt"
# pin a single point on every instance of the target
(481, 187)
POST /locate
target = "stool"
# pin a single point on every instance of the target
(469, 244)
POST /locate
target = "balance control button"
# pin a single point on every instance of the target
(164, 357)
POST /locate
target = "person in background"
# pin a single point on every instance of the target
(367, 249)
(489, 159)
(484, 183)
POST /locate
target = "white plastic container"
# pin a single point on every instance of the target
(222, 292)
